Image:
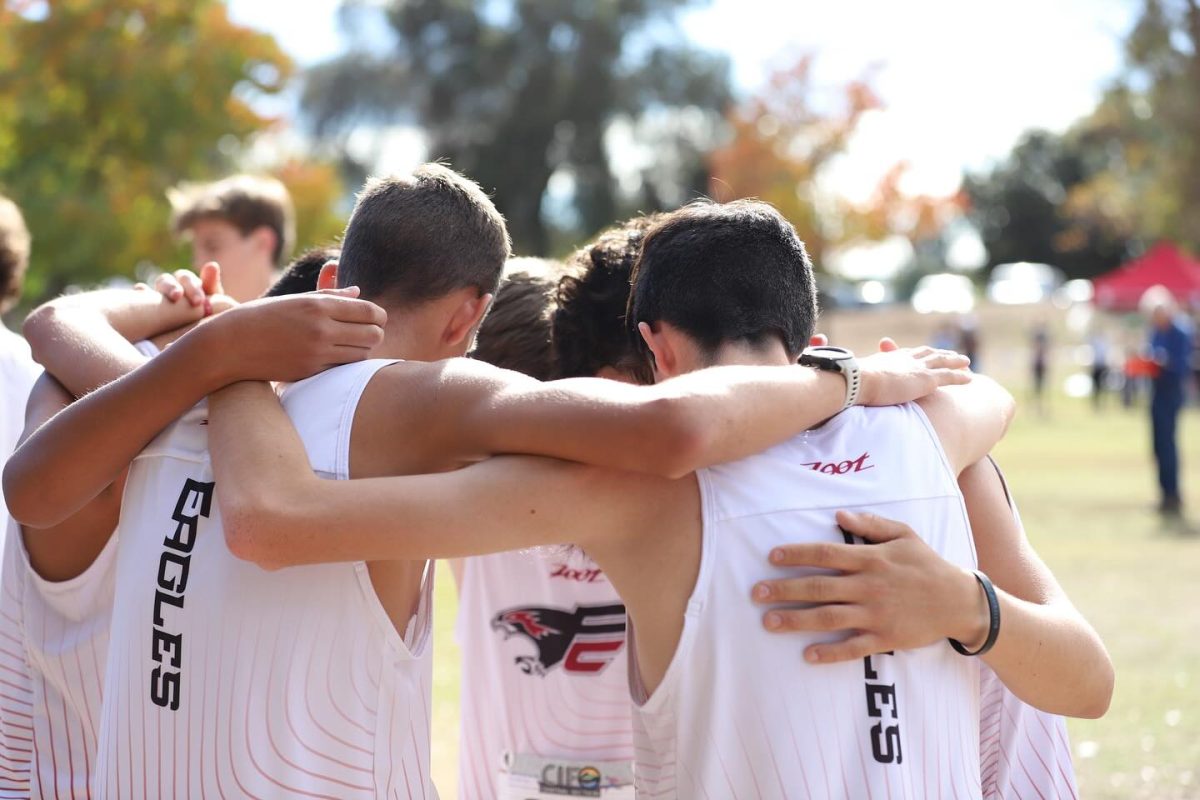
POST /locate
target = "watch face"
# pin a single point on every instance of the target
(827, 353)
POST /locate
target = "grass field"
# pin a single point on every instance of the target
(1086, 488)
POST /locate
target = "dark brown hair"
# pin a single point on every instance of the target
(725, 272)
(589, 328)
(516, 332)
(414, 238)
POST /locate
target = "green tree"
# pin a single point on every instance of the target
(513, 92)
(1040, 204)
(1154, 106)
(104, 104)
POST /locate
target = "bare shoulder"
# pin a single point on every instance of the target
(417, 416)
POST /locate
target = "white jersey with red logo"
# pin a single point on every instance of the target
(739, 713)
(53, 642)
(225, 679)
(544, 672)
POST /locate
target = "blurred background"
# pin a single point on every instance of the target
(1006, 179)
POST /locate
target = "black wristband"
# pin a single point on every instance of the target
(993, 602)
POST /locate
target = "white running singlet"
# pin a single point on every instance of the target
(544, 671)
(739, 713)
(225, 679)
(55, 635)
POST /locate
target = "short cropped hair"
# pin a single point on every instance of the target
(414, 238)
(516, 332)
(589, 326)
(14, 252)
(301, 275)
(248, 202)
(723, 273)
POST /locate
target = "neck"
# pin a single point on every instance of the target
(768, 354)
(411, 335)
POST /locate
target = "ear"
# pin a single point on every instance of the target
(327, 279)
(264, 240)
(666, 360)
(465, 320)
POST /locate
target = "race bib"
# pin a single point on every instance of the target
(532, 778)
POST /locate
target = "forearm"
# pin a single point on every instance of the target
(1047, 653)
(85, 340)
(277, 513)
(707, 417)
(1047, 656)
(83, 449)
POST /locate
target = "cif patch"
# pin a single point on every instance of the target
(570, 781)
(584, 640)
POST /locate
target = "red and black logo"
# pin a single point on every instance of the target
(585, 640)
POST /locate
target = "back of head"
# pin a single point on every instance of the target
(301, 275)
(726, 273)
(415, 238)
(247, 202)
(589, 328)
(14, 252)
(516, 332)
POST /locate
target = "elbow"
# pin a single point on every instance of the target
(39, 328)
(251, 530)
(19, 496)
(683, 439)
(1100, 698)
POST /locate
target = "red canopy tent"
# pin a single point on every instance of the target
(1163, 264)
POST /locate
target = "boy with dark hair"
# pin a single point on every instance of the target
(317, 679)
(244, 222)
(689, 601)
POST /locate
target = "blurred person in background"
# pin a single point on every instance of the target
(968, 340)
(1171, 352)
(1040, 342)
(1099, 346)
(245, 223)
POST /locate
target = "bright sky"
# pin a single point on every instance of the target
(960, 80)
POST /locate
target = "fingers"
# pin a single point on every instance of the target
(856, 647)
(822, 618)
(346, 309)
(946, 359)
(952, 377)
(210, 279)
(872, 526)
(810, 589)
(345, 291)
(842, 557)
(887, 345)
(166, 285)
(193, 290)
(355, 335)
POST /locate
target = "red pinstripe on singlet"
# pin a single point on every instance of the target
(1024, 752)
(292, 683)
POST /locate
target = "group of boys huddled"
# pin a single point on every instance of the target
(696, 557)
